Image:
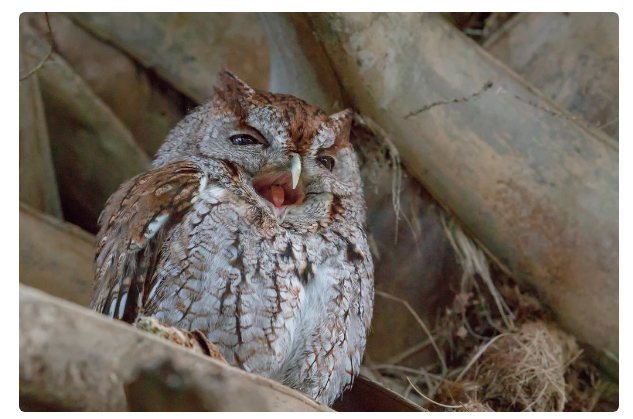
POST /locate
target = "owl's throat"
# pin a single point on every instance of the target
(276, 187)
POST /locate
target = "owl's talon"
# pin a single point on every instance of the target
(195, 340)
(153, 326)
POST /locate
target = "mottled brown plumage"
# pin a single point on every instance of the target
(249, 230)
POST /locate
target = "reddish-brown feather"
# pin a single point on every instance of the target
(127, 239)
(304, 120)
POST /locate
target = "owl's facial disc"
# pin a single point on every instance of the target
(281, 186)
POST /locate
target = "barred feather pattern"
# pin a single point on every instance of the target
(195, 246)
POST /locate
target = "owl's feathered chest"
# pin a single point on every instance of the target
(264, 296)
(196, 243)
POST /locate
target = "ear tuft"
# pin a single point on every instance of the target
(230, 83)
(343, 123)
(234, 93)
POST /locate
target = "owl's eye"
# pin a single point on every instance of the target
(244, 139)
(327, 162)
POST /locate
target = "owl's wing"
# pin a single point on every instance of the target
(135, 223)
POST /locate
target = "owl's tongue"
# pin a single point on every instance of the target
(276, 187)
(278, 195)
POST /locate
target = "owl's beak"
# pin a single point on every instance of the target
(281, 186)
(294, 166)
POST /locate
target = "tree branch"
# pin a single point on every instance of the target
(74, 359)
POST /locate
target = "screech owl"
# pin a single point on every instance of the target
(248, 229)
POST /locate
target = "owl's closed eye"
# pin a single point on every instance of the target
(249, 230)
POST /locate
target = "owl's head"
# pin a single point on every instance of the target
(287, 157)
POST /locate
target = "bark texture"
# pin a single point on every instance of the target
(38, 186)
(93, 152)
(147, 105)
(537, 188)
(55, 257)
(573, 58)
(93, 364)
(188, 49)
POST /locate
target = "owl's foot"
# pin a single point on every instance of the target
(195, 340)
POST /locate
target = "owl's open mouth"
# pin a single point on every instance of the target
(276, 188)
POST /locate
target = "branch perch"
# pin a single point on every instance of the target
(90, 360)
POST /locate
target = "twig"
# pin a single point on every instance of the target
(596, 396)
(421, 323)
(529, 407)
(478, 355)
(417, 390)
(407, 391)
(470, 330)
(396, 359)
(472, 260)
(574, 358)
(406, 369)
(396, 178)
(50, 51)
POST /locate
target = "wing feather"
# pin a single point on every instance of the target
(135, 224)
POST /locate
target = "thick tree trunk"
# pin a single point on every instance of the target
(77, 360)
(538, 189)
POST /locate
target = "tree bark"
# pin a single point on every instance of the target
(55, 257)
(188, 49)
(147, 105)
(38, 186)
(74, 359)
(537, 188)
(299, 65)
(572, 58)
(92, 150)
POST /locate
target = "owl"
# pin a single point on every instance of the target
(248, 231)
